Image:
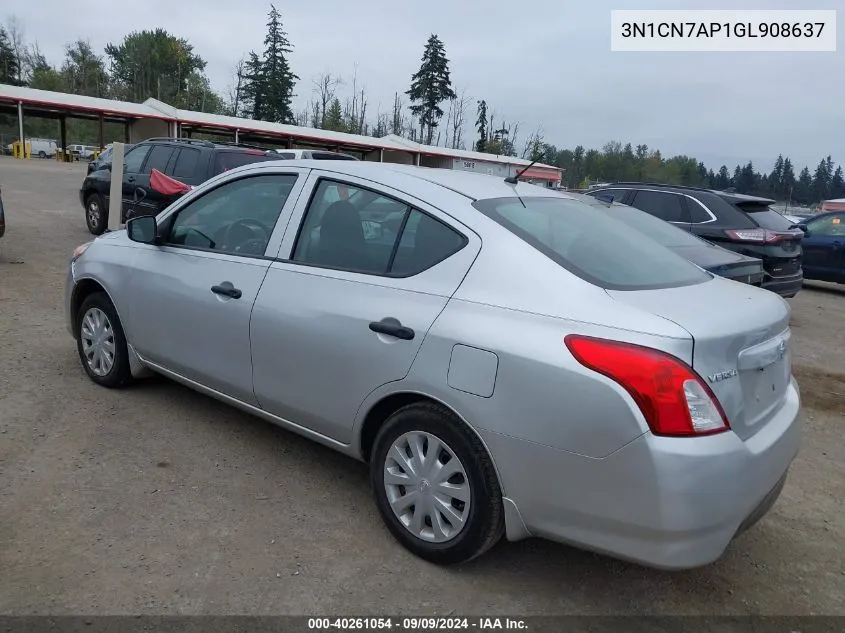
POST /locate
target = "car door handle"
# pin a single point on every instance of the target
(227, 290)
(131, 179)
(392, 327)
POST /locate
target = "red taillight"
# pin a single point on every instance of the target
(762, 236)
(672, 397)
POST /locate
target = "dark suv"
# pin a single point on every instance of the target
(745, 224)
(190, 161)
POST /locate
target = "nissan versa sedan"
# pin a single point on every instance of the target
(507, 361)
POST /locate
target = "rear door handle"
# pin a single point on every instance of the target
(392, 327)
(227, 290)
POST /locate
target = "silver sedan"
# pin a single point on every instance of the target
(507, 360)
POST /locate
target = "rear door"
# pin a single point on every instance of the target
(666, 205)
(348, 303)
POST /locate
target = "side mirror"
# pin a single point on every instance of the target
(142, 229)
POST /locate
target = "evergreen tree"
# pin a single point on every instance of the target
(821, 180)
(277, 79)
(776, 179)
(252, 91)
(430, 86)
(723, 178)
(837, 184)
(787, 181)
(334, 117)
(481, 126)
(803, 192)
(8, 60)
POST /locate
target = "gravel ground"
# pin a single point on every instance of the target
(157, 500)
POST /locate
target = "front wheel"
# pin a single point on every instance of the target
(101, 343)
(435, 486)
(95, 214)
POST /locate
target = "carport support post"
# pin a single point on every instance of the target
(102, 132)
(116, 188)
(20, 128)
(237, 140)
(126, 135)
(381, 156)
(63, 134)
(417, 160)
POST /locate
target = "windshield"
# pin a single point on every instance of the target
(587, 241)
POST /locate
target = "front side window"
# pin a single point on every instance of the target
(592, 245)
(134, 158)
(237, 217)
(159, 157)
(355, 229)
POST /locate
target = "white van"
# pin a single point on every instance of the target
(42, 147)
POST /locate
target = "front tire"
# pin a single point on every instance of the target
(95, 214)
(435, 486)
(101, 343)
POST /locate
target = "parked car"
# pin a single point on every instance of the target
(311, 154)
(104, 158)
(715, 259)
(189, 161)
(511, 362)
(744, 224)
(824, 246)
(81, 152)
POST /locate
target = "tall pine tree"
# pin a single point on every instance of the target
(8, 60)
(837, 184)
(481, 126)
(269, 80)
(430, 86)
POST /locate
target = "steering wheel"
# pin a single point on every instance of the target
(253, 235)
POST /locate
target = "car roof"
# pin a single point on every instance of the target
(730, 196)
(468, 184)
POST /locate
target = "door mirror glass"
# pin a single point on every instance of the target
(142, 229)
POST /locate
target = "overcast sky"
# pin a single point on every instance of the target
(544, 63)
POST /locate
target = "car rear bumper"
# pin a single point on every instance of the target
(671, 503)
(784, 286)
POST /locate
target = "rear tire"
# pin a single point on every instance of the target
(42, 154)
(446, 511)
(95, 214)
(101, 343)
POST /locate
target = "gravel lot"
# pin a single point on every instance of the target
(157, 500)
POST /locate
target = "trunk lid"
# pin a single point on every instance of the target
(741, 343)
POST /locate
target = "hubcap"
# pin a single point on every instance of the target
(93, 212)
(97, 338)
(427, 487)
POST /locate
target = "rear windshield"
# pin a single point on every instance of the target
(224, 161)
(592, 245)
(765, 216)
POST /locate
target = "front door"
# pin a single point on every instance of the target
(133, 163)
(191, 298)
(823, 248)
(361, 276)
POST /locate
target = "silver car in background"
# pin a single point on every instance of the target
(505, 358)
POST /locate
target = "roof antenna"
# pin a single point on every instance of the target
(513, 180)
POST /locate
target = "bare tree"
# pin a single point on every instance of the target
(458, 109)
(534, 144)
(317, 113)
(448, 125)
(325, 87)
(235, 90)
(15, 31)
(382, 125)
(397, 122)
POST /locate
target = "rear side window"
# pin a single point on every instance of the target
(592, 245)
(697, 214)
(224, 161)
(186, 163)
(158, 158)
(664, 205)
(330, 156)
(286, 155)
(359, 230)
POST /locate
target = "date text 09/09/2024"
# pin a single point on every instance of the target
(722, 29)
(416, 624)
